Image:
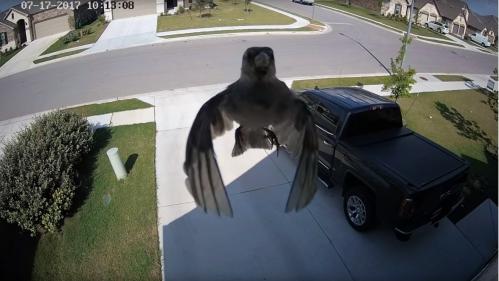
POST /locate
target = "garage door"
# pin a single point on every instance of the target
(141, 8)
(457, 29)
(52, 26)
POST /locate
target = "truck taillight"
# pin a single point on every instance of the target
(407, 208)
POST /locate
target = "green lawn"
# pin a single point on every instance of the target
(376, 16)
(113, 234)
(464, 122)
(5, 58)
(108, 107)
(338, 82)
(449, 78)
(97, 28)
(58, 56)
(225, 14)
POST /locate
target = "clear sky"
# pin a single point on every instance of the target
(483, 7)
(5, 4)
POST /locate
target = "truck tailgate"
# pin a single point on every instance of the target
(413, 158)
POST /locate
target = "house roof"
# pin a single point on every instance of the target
(420, 3)
(5, 22)
(450, 8)
(480, 22)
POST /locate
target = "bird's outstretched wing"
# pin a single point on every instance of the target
(204, 180)
(300, 138)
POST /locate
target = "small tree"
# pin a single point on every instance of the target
(246, 4)
(400, 81)
(201, 5)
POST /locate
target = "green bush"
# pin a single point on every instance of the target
(71, 37)
(87, 31)
(39, 171)
(102, 19)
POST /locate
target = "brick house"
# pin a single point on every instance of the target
(20, 24)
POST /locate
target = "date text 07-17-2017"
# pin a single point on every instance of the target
(74, 5)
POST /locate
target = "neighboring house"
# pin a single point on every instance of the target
(455, 14)
(143, 7)
(486, 25)
(395, 7)
(8, 36)
(425, 11)
(21, 25)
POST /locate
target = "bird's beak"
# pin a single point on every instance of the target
(262, 60)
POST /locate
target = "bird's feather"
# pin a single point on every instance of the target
(204, 180)
(301, 139)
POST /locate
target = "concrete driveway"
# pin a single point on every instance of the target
(261, 242)
(126, 33)
(24, 59)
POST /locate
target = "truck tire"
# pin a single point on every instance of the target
(358, 205)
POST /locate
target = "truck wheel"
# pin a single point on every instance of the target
(358, 206)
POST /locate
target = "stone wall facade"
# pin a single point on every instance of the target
(12, 40)
(52, 13)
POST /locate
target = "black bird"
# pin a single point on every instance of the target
(269, 114)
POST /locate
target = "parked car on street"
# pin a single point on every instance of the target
(385, 170)
(437, 26)
(308, 2)
(480, 39)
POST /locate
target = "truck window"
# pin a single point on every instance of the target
(372, 121)
(329, 116)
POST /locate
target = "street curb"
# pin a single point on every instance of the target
(88, 46)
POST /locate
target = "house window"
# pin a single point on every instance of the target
(3, 38)
(12, 15)
(398, 8)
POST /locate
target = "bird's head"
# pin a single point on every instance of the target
(258, 63)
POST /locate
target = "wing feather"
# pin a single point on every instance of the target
(303, 142)
(204, 180)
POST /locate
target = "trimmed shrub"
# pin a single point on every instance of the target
(87, 31)
(39, 171)
(71, 37)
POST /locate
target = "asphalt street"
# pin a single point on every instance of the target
(352, 47)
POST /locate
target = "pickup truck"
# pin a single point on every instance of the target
(386, 171)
